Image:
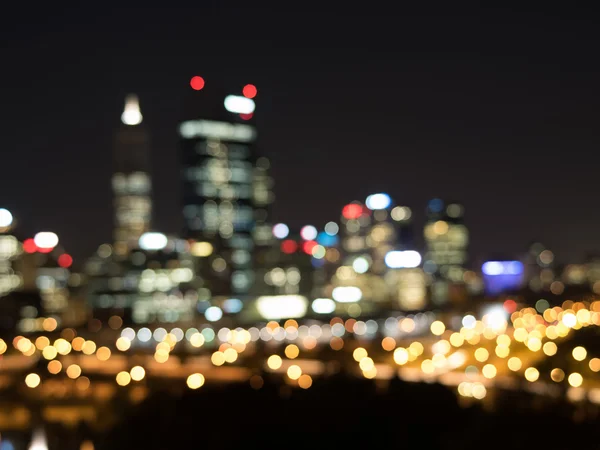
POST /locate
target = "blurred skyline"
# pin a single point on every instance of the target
(495, 109)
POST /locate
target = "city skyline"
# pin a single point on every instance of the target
(495, 152)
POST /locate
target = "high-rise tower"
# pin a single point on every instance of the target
(226, 187)
(131, 180)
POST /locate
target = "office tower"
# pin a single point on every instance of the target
(446, 240)
(226, 187)
(131, 181)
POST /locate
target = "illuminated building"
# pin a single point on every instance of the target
(131, 180)
(446, 240)
(155, 284)
(539, 270)
(226, 188)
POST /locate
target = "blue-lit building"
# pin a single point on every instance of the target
(502, 276)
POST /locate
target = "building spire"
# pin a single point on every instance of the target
(131, 114)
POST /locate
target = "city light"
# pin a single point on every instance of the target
(213, 314)
(323, 306)
(6, 218)
(131, 114)
(239, 105)
(249, 91)
(308, 233)
(153, 241)
(281, 231)
(279, 307)
(378, 201)
(402, 259)
(197, 83)
(45, 240)
(502, 268)
(347, 294)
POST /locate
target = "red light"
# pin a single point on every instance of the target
(352, 211)
(246, 116)
(288, 246)
(250, 91)
(510, 306)
(65, 260)
(29, 246)
(197, 83)
(308, 247)
(45, 250)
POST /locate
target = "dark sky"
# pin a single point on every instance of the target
(495, 108)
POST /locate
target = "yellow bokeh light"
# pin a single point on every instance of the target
(457, 339)
(89, 347)
(137, 373)
(416, 348)
(427, 366)
(503, 340)
(24, 345)
(502, 351)
(123, 378)
(595, 365)
(366, 364)
(401, 356)
(54, 367)
(33, 380)
(197, 340)
(481, 354)
(305, 381)
(370, 374)
(359, 353)
(388, 344)
(437, 328)
(62, 346)
(42, 342)
(489, 371)
(161, 356)
(103, 353)
(49, 324)
(514, 364)
(230, 355)
(520, 334)
(123, 344)
(550, 348)
(77, 343)
(534, 344)
(532, 374)
(579, 353)
(292, 351)
(575, 379)
(294, 372)
(49, 352)
(557, 375)
(3, 347)
(195, 381)
(218, 358)
(478, 391)
(82, 383)
(73, 371)
(274, 362)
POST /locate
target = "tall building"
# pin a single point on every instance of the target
(226, 187)
(446, 240)
(131, 180)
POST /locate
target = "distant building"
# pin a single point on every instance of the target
(446, 241)
(131, 181)
(226, 188)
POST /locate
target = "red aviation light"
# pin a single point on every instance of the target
(197, 83)
(249, 91)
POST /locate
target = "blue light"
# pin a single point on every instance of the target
(436, 205)
(327, 240)
(493, 268)
(232, 305)
(318, 262)
(378, 201)
(6, 445)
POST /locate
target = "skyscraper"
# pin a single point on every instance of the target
(226, 187)
(131, 180)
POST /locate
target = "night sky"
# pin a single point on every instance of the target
(497, 109)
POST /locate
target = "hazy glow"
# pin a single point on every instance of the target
(378, 201)
(38, 440)
(152, 241)
(360, 265)
(347, 294)
(131, 114)
(239, 105)
(275, 307)
(218, 130)
(281, 230)
(502, 268)
(201, 249)
(46, 239)
(323, 306)
(6, 218)
(402, 259)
